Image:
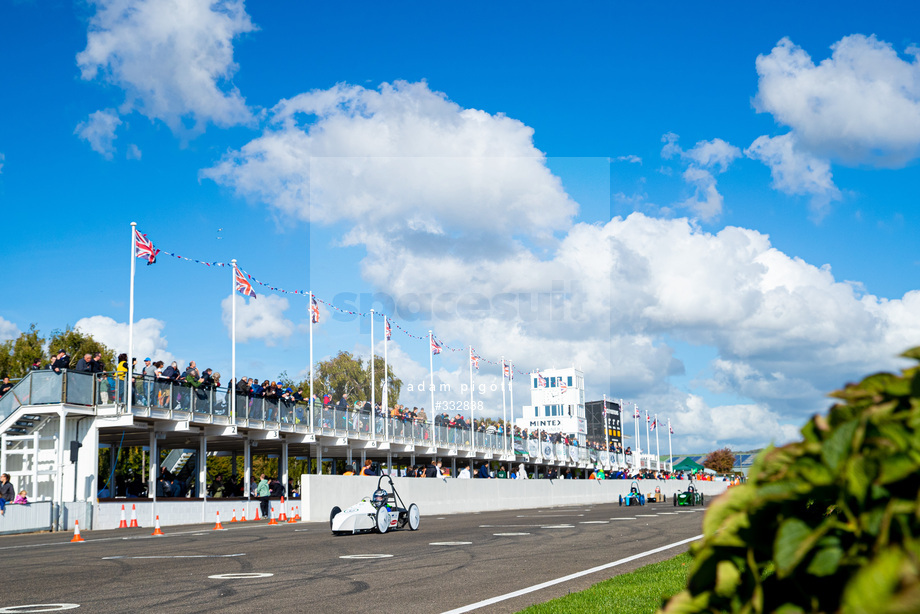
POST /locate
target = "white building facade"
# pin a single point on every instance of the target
(557, 403)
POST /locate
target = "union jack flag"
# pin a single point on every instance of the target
(314, 310)
(386, 325)
(143, 248)
(242, 284)
(563, 387)
(636, 415)
(653, 426)
(670, 428)
(435, 346)
(474, 359)
(541, 381)
(506, 370)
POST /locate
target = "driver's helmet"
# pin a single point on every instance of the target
(633, 490)
(379, 498)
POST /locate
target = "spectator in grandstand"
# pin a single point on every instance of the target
(7, 492)
(149, 373)
(60, 362)
(484, 471)
(349, 469)
(522, 472)
(368, 468)
(37, 364)
(501, 473)
(21, 498)
(262, 492)
(6, 386)
(85, 364)
(432, 470)
(98, 363)
(464, 473)
(342, 405)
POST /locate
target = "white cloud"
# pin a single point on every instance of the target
(173, 58)
(415, 163)
(258, 318)
(134, 152)
(606, 298)
(148, 336)
(2, 158)
(8, 330)
(705, 157)
(860, 106)
(794, 171)
(99, 131)
(631, 158)
(747, 426)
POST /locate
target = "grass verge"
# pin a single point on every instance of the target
(637, 592)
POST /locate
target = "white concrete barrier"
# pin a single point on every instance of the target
(173, 512)
(320, 493)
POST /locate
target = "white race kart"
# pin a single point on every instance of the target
(380, 512)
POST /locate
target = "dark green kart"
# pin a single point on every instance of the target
(689, 497)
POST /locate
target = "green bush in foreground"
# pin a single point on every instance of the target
(638, 592)
(828, 524)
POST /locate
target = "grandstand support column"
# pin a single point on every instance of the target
(152, 477)
(203, 475)
(247, 472)
(59, 486)
(373, 386)
(283, 469)
(233, 343)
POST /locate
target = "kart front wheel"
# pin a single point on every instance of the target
(382, 520)
(415, 518)
(675, 500)
(621, 500)
(335, 510)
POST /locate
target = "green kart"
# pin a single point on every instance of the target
(690, 497)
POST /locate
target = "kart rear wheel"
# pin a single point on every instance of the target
(621, 500)
(382, 520)
(415, 518)
(335, 511)
(675, 500)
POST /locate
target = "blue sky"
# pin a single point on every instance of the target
(725, 194)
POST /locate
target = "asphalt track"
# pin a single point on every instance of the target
(127, 570)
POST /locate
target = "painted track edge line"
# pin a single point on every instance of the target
(579, 574)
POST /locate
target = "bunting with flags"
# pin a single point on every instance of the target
(314, 310)
(474, 359)
(242, 284)
(389, 331)
(143, 248)
(435, 346)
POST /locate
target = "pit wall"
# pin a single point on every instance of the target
(453, 496)
(174, 512)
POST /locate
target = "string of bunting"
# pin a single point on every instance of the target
(326, 303)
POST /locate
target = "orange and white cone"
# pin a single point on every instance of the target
(256, 519)
(243, 518)
(283, 516)
(157, 530)
(76, 532)
(292, 518)
(234, 516)
(123, 524)
(297, 515)
(133, 517)
(218, 526)
(271, 516)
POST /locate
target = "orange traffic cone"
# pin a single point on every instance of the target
(124, 523)
(133, 516)
(243, 519)
(218, 526)
(297, 515)
(256, 519)
(292, 518)
(271, 516)
(234, 516)
(157, 530)
(76, 532)
(283, 516)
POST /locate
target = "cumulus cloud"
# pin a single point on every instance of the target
(172, 58)
(99, 131)
(259, 318)
(134, 152)
(604, 297)
(859, 106)
(416, 164)
(8, 330)
(746, 426)
(705, 158)
(795, 171)
(2, 159)
(631, 158)
(148, 336)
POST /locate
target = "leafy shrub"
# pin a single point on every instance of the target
(720, 461)
(828, 524)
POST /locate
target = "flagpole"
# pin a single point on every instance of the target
(386, 382)
(606, 433)
(373, 384)
(311, 368)
(472, 427)
(657, 447)
(670, 454)
(511, 393)
(504, 410)
(233, 343)
(431, 386)
(129, 385)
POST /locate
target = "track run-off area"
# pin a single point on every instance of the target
(481, 562)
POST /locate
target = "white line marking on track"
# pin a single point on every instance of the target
(509, 534)
(669, 513)
(574, 576)
(627, 518)
(450, 543)
(646, 515)
(240, 576)
(558, 526)
(45, 607)
(176, 556)
(594, 522)
(366, 556)
(549, 515)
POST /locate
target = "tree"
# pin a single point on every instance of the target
(77, 343)
(720, 461)
(345, 373)
(18, 355)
